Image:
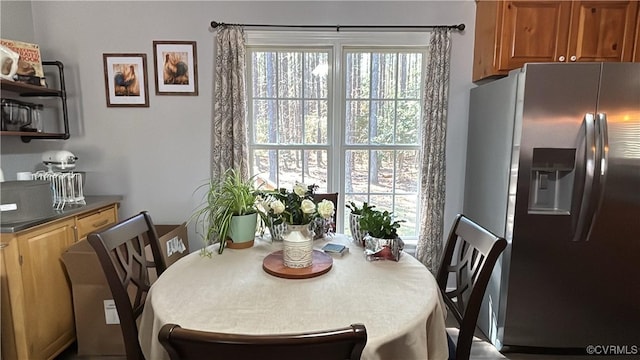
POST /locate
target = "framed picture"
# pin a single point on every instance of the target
(176, 67)
(125, 80)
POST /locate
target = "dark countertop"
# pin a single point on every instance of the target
(93, 202)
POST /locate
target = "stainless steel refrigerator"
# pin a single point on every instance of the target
(553, 165)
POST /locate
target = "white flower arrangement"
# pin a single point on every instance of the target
(293, 207)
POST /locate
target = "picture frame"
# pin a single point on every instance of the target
(125, 80)
(176, 67)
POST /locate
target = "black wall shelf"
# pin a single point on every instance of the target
(28, 90)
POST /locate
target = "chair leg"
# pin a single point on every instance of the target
(452, 348)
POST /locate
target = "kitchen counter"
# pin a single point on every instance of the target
(93, 202)
(39, 311)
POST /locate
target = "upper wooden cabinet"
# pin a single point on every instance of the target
(602, 30)
(636, 42)
(512, 33)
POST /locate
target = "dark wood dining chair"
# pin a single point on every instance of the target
(470, 255)
(339, 344)
(121, 252)
(333, 197)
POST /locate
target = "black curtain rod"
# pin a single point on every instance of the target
(460, 27)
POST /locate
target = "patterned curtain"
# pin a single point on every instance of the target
(434, 129)
(229, 130)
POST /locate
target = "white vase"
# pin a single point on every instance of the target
(354, 227)
(297, 246)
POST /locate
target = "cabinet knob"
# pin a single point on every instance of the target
(573, 58)
(561, 58)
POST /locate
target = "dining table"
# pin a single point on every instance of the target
(236, 292)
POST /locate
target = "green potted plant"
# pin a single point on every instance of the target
(228, 212)
(380, 224)
(354, 221)
(382, 240)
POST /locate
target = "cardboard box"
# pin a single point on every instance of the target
(173, 242)
(90, 291)
(97, 329)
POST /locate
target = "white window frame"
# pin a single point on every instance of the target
(417, 41)
(330, 125)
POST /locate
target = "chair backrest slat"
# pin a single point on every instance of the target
(338, 344)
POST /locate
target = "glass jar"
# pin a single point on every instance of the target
(36, 117)
(16, 115)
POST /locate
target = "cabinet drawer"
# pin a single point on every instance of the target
(96, 221)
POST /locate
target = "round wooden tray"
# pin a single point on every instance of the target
(274, 265)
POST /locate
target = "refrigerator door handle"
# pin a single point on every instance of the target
(603, 138)
(582, 225)
(600, 171)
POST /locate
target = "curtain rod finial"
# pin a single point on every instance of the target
(215, 24)
(460, 27)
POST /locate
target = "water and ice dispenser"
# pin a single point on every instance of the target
(552, 174)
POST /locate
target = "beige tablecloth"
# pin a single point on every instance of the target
(398, 302)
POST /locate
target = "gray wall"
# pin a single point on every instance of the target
(16, 22)
(156, 157)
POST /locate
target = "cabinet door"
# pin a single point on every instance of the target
(636, 40)
(533, 31)
(8, 252)
(602, 30)
(47, 297)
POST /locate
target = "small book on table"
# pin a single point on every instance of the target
(335, 249)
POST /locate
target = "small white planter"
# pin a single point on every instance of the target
(276, 231)
(354, 227)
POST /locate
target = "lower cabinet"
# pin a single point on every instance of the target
(46, 309)
(37, 310)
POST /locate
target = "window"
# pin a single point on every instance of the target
(288, 105)
(341, 111)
